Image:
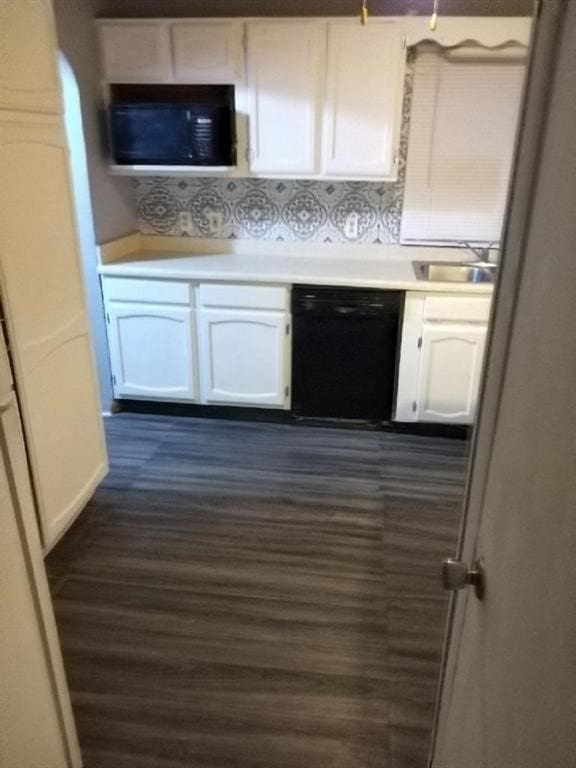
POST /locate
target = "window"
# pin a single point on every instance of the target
(463, 119)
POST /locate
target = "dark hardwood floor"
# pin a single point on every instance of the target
(258, 595)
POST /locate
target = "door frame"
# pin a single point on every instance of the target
(541, 68)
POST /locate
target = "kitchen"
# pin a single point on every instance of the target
(352, 184)
(259, 236)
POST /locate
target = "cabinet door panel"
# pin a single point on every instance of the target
(244, 357)
(207, 52)
(285, 62)
(135, 53)
(29, 78)
(450, 369)
(364, 99)
(34, 691)
(152, 351)
(43, 298)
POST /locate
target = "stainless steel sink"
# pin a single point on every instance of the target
(447, 272)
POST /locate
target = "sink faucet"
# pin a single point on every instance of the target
(482, 253)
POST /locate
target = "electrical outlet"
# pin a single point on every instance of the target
(351, 225)
(185, 219)
(215, 221)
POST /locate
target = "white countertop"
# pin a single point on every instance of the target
(381, 266)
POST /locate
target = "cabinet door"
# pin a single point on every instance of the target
(152, 351)
(135, 53)
(206, 52)
(43, 299)
(285, 64)
(364, 99)
(29, 78)
(450, 369)
(410, 354)
(244, 357)
(37, 721)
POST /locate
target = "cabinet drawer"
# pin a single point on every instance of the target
(472, 309)
(153, 291)
(244, 296)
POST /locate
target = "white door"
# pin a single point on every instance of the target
(508, 697)
(363, 111)
(285, 65)
(37, 728)
(28, 70)
(152, 351)
(135, 52)
(207, 52)
(449, 375)
(43, 298)
(244, 357)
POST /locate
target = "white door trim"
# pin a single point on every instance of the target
(518, 222)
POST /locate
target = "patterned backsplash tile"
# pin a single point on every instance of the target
(269, 209)
(277, 209)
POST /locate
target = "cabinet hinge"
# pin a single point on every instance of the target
(113, 379)
(107, 318)
(420, 343)
(403, 42)
(414, 406)
(245, 41)
(287, 329)
(286, 391)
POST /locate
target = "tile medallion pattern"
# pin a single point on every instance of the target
(271, 209)
(268, 209)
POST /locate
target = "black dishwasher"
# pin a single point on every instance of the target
(344, 351)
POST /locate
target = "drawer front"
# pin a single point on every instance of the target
(152, 291)
(472, 309)
(244, 296)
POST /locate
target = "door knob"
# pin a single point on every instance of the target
(457, 575)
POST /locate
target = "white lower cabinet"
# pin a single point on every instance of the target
(451, 364)
(441, 357)
(152, 351)
(234, 349)
(244, 357)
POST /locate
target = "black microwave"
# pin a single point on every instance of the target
(172, 134)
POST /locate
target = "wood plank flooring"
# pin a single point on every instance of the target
(258, 595)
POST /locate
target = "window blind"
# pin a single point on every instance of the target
(463, 119)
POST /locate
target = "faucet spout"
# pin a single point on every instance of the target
(482, 253)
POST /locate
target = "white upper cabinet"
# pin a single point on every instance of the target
(207, 52)
(28, 67)
(285, 73)
(135, 52)
(152, 351)
(363, 110)
(43, 299)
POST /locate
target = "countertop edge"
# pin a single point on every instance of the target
(145, 265)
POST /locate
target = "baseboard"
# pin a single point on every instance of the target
(274, 416)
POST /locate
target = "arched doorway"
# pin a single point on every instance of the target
(85, 223)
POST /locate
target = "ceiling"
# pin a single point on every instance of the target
(182, 8)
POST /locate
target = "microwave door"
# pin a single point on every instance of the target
(151, 136)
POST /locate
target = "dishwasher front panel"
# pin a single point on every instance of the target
(344, 352)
